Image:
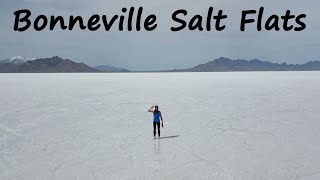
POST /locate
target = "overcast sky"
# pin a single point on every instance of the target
(161, 49)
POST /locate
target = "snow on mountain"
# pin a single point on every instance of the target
(17, 60)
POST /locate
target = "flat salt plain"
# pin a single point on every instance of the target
(248, 125)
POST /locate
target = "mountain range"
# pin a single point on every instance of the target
(107, 68)
(225, 65)
(58, 65)
(45, 65)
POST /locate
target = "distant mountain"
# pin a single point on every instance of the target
(106, 68)
(45, 65)
(224, 65)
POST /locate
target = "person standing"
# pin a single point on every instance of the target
(156, 120)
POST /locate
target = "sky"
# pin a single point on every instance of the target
(161, 49)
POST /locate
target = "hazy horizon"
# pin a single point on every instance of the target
(161, 49)
(31, 59)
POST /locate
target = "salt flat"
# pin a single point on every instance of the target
(248, 125)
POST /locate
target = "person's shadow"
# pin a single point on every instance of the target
(169, 137)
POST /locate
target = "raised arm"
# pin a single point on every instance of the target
(150, 110)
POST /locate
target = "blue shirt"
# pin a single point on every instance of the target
(156, 117)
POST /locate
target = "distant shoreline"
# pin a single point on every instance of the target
(58, 65)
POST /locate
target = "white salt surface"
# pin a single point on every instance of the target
(255, 125)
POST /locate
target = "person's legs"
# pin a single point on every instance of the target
(154, 129)
(158, 125)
